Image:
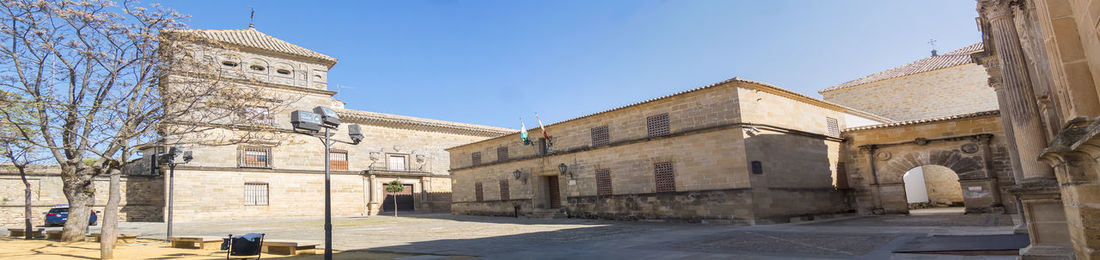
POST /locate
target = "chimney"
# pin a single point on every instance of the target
(934, 53)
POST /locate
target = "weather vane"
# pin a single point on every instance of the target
(932, 43)
(251, 17)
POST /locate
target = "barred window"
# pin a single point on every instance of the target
(603, 182)
(665, 179)
(255, 194)
(600, 136)
(657, 125)
(504, 192)
(396, 163)
(475, 158)
(478, 192)
(254, 157)
(834, 127)
(502, 153)
(338, 160)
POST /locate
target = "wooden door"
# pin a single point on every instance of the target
(404, 199)
(555, 194)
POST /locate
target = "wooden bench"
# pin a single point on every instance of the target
(128, 238)
(20, 232)
(289, 247)
(194, 242)
(53, 235)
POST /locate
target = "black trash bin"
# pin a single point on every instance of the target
(243, 247)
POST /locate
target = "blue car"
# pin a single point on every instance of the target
(58, 215)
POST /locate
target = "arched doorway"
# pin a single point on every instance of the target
(935, 188)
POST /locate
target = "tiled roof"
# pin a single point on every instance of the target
(926, 120)
(388, 120)
(252, 38)
(950, 59)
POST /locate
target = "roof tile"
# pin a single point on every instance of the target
(250, 37)
(950, 59)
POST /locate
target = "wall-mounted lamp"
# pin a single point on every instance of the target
(517, 174)
(563, 169)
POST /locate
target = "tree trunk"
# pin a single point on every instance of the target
(394, 204)
(109, 233)
(27, 205)
(80, 195)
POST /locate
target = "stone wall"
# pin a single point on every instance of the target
(950, 91)
(971, 146)
(220, 195)
(942, 185)
(733, 206)
(141, 197)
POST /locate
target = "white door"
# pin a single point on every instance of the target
(397, 163)
(915, 190)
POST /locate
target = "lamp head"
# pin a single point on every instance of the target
(305, 121)
(356, 133)
(328, 116)
(562, 168)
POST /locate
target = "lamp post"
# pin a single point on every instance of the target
(311, 123)
(170, 159)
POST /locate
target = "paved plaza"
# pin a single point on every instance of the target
(866, 237)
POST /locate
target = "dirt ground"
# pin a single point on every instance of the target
(145, 249)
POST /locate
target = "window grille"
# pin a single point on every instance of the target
(502, 153)
(504, 192)
(396, 163)
(478, 192)
(254, 157)
(603, 182)
(834, 127)
(657, 125)
(666, 180)
(600, 136)
(757, 167)
(255, 194)
(338, 160)
(475, 158)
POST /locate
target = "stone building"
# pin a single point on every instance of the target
(941, 85)
(1043, 57)
(734, 152)
(281, 174)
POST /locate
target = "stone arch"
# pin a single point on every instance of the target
(968, 157)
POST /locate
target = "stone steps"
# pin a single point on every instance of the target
(548, 214)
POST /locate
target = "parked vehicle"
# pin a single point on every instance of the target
(60, 213)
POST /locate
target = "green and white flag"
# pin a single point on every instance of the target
(523, 132)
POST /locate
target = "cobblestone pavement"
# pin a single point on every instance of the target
(870, 237)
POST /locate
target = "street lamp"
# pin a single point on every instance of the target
(174, 157)
(311, 123)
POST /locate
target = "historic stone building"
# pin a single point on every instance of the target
(281, 175)
(941, 85)
(1043, 57)
(735, 152)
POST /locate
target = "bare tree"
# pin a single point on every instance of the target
(100, 79)
(19, 154)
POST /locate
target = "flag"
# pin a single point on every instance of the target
(523, 132)
(543, 128)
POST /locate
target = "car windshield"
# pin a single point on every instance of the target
(59, 210)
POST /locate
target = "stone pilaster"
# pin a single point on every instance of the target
(1018, 104)
(374, 207)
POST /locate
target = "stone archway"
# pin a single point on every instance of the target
(967, 156)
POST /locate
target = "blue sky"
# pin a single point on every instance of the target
(492, 62)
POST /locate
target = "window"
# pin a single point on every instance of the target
(255, 115)
(657, 125)
(666, 180)
(603, 182)
(478, 192)
(502, 153)
(229, 63)
(504, 193)
(396, 163)
(543, 146)
(834, 127)
(338, 160)
(283, 71)
(255, 194)
(256, 67)
(757, 167)
(254, 157)
(475, 158)
(600, 136)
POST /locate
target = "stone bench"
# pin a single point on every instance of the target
(128, 238)
(282, 247)
(20, 232)
(53, 235)
(197, 242)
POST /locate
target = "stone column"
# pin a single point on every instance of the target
(373, 207)
(1018, 103)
